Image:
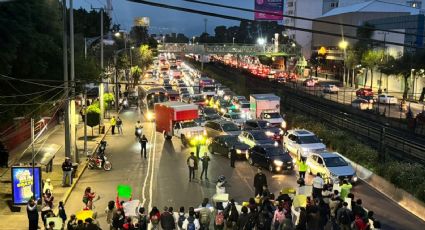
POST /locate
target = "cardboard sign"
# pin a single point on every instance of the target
(130, 207)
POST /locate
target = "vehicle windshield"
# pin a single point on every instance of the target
(189, 124)
(228, 127)
(236, 116)
(309, 139)
(259, 136)
(244, 105)
(273, 151)
(335, 162)
(198, 99)
(231, 140)
(212, 117)
(208, 89)
(209, 111)
(271, 115)
(263, 124)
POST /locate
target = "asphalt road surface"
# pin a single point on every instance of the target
(162, 179)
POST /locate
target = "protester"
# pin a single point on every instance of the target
(233, 155)
(167, 219)
(61, 211)
(32, 214)
(109, 211)
(181, 218)
(259, 181)
(204, 216)
(128, 224)
(119, 125)
(48, 185)
(67, 171)
(231, 214)
(90, 225)
(143, 142)
(118, 219)
(317, 186)
(358, 210)
(191, 223)
(343, 217)
(72, 223)
(191, 164)
(205, 161)
(88, 198)
(219, 217)
(143, 219)
(278, 218)
(243, 219)
(113, 123)
(154, 217)
(48, 198)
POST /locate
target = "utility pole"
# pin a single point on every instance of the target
(33, 155)
(205, 25)
(85, 121)
(101, 86)
(74, 151)
(65, 79)
(116, 83)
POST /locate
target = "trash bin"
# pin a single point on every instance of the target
(74, 170)
(102, 129)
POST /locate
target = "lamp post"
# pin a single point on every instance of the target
(343, 45)
(193, 40)
(262, 42)
(233, 41)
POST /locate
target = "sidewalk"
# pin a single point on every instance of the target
(19, 220)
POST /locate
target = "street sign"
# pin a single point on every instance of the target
(24, 181)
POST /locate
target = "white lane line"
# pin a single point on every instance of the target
(147, 171)
(152, 173)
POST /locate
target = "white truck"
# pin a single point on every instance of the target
(267, 107)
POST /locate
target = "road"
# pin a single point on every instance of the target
(162, 180)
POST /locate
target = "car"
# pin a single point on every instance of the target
(273, 132)
(237, 118)
(387, 99)
(222, 145)
(332, 165)
(221, 127)
(302, 143)
(207, 111)
(271, 157)
(255, 137)
(362, 104)
(202, 119)
(330, 89)
(364, 92)
(236, 99)
(309, 82)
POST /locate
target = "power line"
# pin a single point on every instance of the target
(189, 10)
(30, 82)
(27, 94)
(297, 17)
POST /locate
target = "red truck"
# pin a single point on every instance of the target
(176, 118)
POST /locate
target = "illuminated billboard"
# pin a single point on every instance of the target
(24, 181)
(142, 21)
(270, 6)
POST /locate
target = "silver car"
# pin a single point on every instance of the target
(302, 143)
(331, 166)
(221, 127)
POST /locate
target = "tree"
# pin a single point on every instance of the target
(220, 34)
(143, 58)
(93, 115)
(139, 35)
(351, 62)
(371, 59)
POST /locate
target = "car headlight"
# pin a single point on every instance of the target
(238, 151)
(223, 110)
(150, 116)
(294, 161)
(243, 115)
(278, 163)
(355, 178)
(276, 144)
(269, 133)
(283, 124)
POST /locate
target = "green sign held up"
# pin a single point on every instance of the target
(124, 191)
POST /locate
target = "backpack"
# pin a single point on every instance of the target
(280, 216)
(181, 220)
(250, 224)
(219, 219)
(345, 217)
(143, 222)
(191, 224)
(204, 216)
(154, 219)
(262, 219)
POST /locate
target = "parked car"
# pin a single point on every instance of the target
(274, 132)
(332, 166)
(362, 104)
(364, 92)
(255, 137)
(309, 82)
(302, 143)
(271, 157)
(222, 145)
(221, 127)
(387, 99)
(330, 89)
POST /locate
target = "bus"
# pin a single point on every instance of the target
(151, 95)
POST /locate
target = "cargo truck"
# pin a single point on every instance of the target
(267, 107)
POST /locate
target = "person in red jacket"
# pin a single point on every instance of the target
(88, 198)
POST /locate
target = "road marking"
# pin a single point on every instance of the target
(147, 171)
(152, 172)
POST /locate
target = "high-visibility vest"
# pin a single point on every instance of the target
(302, 166)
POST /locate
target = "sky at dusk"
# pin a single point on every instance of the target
(168, 21)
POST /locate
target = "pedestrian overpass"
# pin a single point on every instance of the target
(228, 48)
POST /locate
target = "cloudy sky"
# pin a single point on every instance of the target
(167, 21)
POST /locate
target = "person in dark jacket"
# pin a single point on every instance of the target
(243, 219)
(231, 214)
(232, 156)
(259, 181)
(143, 143)
(313, 219)
(67, 171)
(32, 214)
(167, 219)
(4, 155)
(302, 222)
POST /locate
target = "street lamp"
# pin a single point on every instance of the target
(343, 45)
(261, 41)
(193, 40)
(233, 41)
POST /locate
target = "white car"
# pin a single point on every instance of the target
(302, 143)
(362, 104)
(332, 166)
(330, 89)
(387, 99)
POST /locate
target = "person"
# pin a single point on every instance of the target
(113, 123)
(137, 127)
(204, 216)
(317, 186)
(191, 223)
(72, 223)
(278, 217)
(205, 161)
(90, 225)
(51, 225)
(219, 216)
(61, 211)
(48, 198)
(302, 167)
(143, 142)
(88, 198)
(302, 220)
(119, 125)
(232, 156)
(167, 219)
(359, 223)
(118, 219)
(243, 219)
(343, 217)
(259, 181)
(128, 224)
(109, 211)
(345, 189)
(4, 156)
(191, 164)
(358, 209)
(48, 186)
(154, 217)
(231, 214)
(32, 214)
(143, 219)
(67, 171)
(181, 218)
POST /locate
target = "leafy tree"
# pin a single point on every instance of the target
(221, 34)
(93, 116)
(143, 58)
(139, 35)
(108, 98)
(351, 62)
(371, 59)
(135, 73)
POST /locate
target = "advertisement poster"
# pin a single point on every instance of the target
(272, 6)
(22, 184)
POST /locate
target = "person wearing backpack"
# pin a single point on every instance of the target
(252, 218)
(219, 218)
(154, 217)
(143, 219)
(343, 217)
(243, 219)
(204, 216)
(191, 223)
(181, 218)
(278, 217)
(167, 219)
(232, 214)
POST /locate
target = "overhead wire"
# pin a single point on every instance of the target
(27, 94)
(28, 81)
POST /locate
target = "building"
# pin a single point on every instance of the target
(419, 4)
(307, 9)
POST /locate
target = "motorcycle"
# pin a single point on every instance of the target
(96, 162)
